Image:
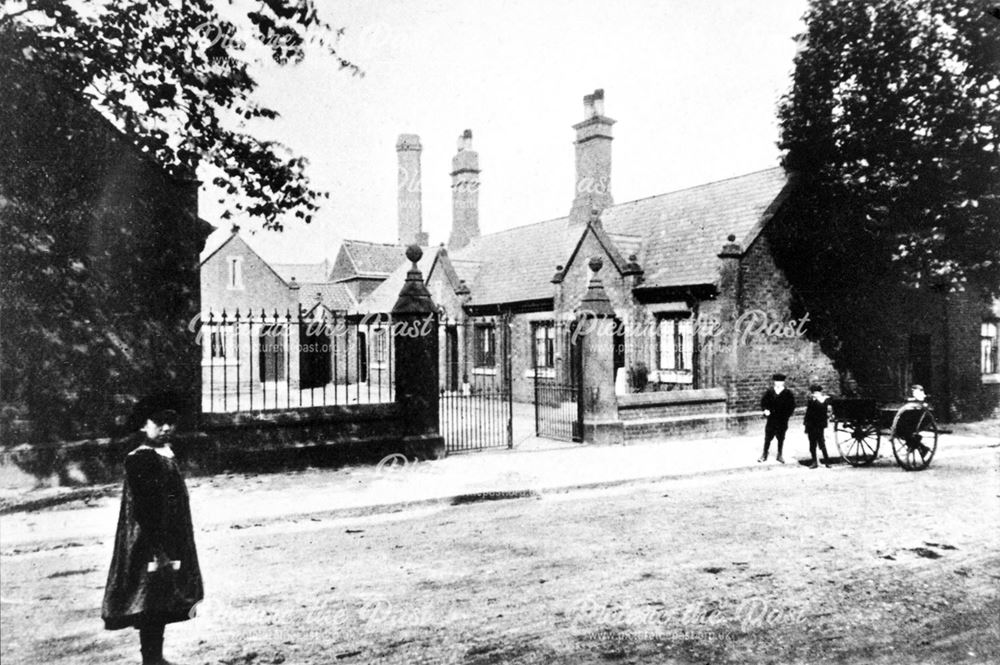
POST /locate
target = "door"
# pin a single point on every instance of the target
(314, 355)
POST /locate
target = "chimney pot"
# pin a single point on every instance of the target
(599, 101)
(588, 106)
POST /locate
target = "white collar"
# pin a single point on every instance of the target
(162, 451)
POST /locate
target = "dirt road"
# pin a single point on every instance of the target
(775, 566)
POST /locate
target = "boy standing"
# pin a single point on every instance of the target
(815, 420)
(777, 404)
(154, 577)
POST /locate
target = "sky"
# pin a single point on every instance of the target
(693, 85)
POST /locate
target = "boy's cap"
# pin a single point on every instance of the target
(916, 386)
(158, 407)
(164, 417)
(778, 377)
(815, 388)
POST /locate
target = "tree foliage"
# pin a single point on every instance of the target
(107, 111)
(175, 77)
(892, 129)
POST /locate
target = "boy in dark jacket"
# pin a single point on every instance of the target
(778, 405)
(815, 420)
(154, 577)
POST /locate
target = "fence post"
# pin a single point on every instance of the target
(597, 389)
(415, 335)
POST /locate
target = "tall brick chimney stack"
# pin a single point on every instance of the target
(408, 150)
(464, 193)
(593, 160)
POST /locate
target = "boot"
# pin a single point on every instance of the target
(814, 465)
(763, 458)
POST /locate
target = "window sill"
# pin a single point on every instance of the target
(672, 376)
(991, 379)
(543, 373)
(485, 371)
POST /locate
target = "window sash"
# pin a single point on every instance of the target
(543, 352)
(988, 348)
(379, 339)
(484, 340)
(675, 344)
(221, 341)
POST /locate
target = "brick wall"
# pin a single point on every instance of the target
(262, 288)
(971, 397)
(765, 289)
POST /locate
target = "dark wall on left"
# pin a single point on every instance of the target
(99, 265)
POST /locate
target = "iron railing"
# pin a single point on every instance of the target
(557, 373)
(476, 405)
(260, 361)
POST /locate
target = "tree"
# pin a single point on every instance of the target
(892, 130)
(174, 76)
(106, 114)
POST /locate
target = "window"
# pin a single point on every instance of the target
(379, 342)
(235, 281)
(674, 344)
(543, 351)
(221, 342)
(988, 348)
(271, 350)
(485, 341)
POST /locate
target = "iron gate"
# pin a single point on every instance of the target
(476, 400)
(557, 363)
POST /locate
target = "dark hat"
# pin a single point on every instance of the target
(164, 417)
(778, 377)
(158, 407)
(815, 388)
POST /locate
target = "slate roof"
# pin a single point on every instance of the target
(384, 297)
(677, 237)
(373, 258)
(303, 272)
(517, 264)
(683, 231)
(335, 296)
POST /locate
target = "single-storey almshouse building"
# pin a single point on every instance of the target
(702, 314)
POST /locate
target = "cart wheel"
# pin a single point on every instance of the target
(857, 442)
(915, 442)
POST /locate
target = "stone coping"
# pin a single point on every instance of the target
(638, 400)
(300, 415)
